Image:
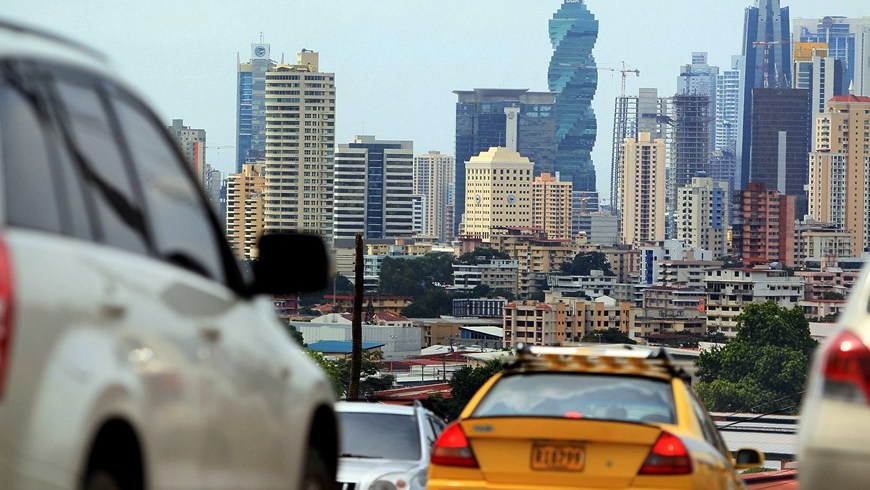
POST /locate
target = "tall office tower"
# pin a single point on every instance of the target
(244, 216)
(213, 186)
(848, 40)
(300, 141)
(192, 144)
(724, 159)
(418, 214)
(434, 174)
(699, 78)
(498, 192)
(702, 215)
(481, 123)
(763, 229)
(824, 76)
(644, 113)
(690, 153)
(766, 63)
(643, 189)
(374, 182)
(573, 78)
(839, 191)
(781, 141)
(251, 106)
(551, 206)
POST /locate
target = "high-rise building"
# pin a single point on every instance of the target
(848, 41)
(822, 75)
(643, 189)
(251, 105)
(765, 63)
(244, 216)
(551, 206)
(839, 191)
(574, 79)
(723, 161)
(434, 176)
(781, 141)
(192, 144)
(418, 214)
(690, 146)
(482, 122)
(300, 141)
(700, 78)
(763, 229)
(374, 182)
(498, 192)
(214, 188)
(644, 113)
(702, 215)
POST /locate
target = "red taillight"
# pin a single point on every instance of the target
(6, 313)
(452, 449)
(668, 456)
(847, 363)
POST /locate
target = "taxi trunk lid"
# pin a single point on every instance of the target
(545, 451)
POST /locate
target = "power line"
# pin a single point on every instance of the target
(757, 417)
(768, 403)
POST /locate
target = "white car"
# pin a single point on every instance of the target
(385, 447)
(833, 435)
(133, 352)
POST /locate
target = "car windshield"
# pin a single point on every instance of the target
(379, 435)
(586, 396)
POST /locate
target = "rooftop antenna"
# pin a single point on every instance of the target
(261, 37)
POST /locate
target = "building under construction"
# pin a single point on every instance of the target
(690, 145)
(643, 113)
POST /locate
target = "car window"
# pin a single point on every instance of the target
(708, 427)
(379, 436)
(179, 221)
(27, 175)
(94, 149)
(579, 395)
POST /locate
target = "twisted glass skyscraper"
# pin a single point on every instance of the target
(574, 79)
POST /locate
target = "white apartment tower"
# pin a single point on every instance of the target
(434, 176)
(300, 137)
(643, 189)
(702, 215)
(374, 182)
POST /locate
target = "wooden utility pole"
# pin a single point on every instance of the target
(356, 325)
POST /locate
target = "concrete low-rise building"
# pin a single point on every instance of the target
(730, 290)
(498, 274)
(400, 342)
(479, 307)
(593, 285)
(671, 311)
(535, 323)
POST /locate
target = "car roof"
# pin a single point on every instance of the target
(531, 359)
(24, 42)
(363, 407)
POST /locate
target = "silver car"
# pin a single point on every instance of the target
(385, 447)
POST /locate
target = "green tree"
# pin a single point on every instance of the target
(482, 256)
(764, 368)
(463, 386)
(330, 368)
(338, 371)
(585, 262)
(714, 335)
(609, 336)
(832, 295)
(432, 304)
(414, 276)
(295, 334)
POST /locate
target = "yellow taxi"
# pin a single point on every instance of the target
(573, 418)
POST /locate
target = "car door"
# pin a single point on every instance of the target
(155, 347)
(242, 402)
(724, 475)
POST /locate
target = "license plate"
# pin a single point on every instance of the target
(558, 457)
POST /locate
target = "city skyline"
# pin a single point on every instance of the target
(187, 65)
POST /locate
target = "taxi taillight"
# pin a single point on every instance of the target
(452, 449)
(668, 456)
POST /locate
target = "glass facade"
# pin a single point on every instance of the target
(767, 23)
(481, 124)
(251, 107)
(573, 77)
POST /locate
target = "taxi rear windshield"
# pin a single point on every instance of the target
(580, 396)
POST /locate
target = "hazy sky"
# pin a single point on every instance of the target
(396, 61)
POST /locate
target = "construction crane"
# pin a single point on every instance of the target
(767, 45)
(625, 70)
